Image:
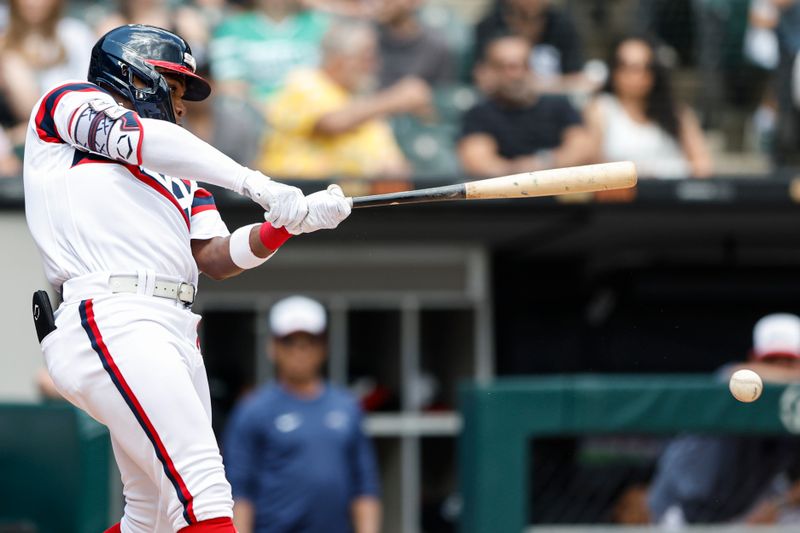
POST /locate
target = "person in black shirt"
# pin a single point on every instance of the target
(515, 129)
(556, 47)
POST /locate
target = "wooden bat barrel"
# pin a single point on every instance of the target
(587, 178)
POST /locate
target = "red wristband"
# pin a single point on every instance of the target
(272, 238)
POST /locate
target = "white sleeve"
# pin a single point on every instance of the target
(206, 223)
(169, 149)
(89, 119)
(82, 115)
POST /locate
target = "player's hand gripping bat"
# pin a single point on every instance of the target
(587, 178)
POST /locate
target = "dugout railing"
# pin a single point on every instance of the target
(500, 419)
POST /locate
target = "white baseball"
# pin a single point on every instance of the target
(746, 385)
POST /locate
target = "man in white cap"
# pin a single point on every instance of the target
(729, 478)
(294, 450)
(776, 348)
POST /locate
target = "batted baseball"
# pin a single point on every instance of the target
(746, 385)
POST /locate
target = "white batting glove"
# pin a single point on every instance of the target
(326, 210)
(285, 205)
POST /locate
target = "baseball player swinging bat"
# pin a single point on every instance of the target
(586, 178)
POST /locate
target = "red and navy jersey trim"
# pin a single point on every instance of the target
(86, 310)
(147, 179)
(202, 201)
(82, 158)
(45, 116)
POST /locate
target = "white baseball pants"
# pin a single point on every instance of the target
(133, 363)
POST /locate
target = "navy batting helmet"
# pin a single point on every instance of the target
(136, 51)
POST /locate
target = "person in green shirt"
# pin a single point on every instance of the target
(250, 54)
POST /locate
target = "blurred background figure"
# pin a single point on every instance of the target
(188, 20)
(409, 48)
(787, 132)
(327, 122)
(192, 21)
(39, 48)
(636, 118)
(47, 389)
(295, 453)
(702, 479)
(10, 164)
(556, 54)
(516, 129)
(252, 51)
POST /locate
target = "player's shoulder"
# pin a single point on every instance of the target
(54, 94)
(69, 86)
(45, 115)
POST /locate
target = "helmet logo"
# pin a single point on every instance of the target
(189, 60)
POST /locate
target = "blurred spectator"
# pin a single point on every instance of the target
(190, 20)
(703, 479)
(556, 55)
(325, 122)
(516, 129)
(44, 384)
(10, 164)
(635, 117)
(295, 453)
(344, 8)
(251, 52)
(672, 21)
(787, 133)
(39, 48)
(185, 19)
(408, 48)
(727, 47)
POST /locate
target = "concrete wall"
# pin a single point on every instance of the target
(20, 274)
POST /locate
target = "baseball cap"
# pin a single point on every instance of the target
(777, 335)
(297, 314)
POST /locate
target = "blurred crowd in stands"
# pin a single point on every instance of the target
(323, 89)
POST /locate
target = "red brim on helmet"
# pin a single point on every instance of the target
(197, 88)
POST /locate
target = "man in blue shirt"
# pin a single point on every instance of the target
(295, 453)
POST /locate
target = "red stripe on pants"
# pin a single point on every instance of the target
(215, 525)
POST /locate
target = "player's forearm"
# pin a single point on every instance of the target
(366, 511)
(169, 149)
(217, 258)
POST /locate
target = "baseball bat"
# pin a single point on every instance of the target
(568, 180)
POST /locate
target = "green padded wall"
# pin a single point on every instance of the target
(501, 417)
(54, 469)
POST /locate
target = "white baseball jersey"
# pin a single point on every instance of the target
(131, 361)
(91, 207)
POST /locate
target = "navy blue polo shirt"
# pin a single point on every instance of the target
(300, 461)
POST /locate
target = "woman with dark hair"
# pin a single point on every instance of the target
(39, 48)
(635, 117)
